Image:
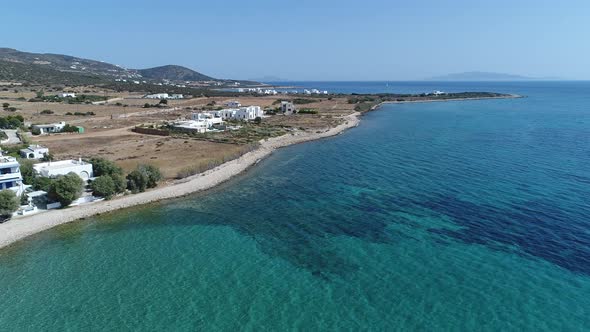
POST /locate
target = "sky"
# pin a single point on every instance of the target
(312, 40)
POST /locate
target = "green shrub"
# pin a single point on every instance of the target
(102, 166)
(136, 181)
(143, 177)
(27, 171)
(47, 112)
(103, 186)
(66, 189)
(152, 174)
(42, 183)
(8, 204)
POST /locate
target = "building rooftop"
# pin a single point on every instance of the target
(7, 159)
(59, 164)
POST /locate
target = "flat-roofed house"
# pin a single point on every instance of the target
(50, 128)
(63, 167)
(34, 152)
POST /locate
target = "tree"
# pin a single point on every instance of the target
(5, 105)
(119, 182)
(258, 120)
(66, 189)
(151, 173)
(26, 171)
(105, 167)
(8, 204)
(42, 183)
(136, 181)
(103, 186)
(102, 166)
(163, 101)
(143, 177)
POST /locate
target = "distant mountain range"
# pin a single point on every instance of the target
(485, 76)
(45, 68)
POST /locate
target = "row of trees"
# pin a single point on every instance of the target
(111, 181)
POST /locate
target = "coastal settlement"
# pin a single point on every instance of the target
(67, 146)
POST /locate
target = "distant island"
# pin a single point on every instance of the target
(485, 76)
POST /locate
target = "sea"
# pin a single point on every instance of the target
(448, 216)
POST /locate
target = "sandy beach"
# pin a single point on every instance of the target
(19, 228)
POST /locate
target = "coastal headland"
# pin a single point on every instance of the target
(309, 127)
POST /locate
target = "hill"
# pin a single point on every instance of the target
(173, 73)
(39, 74)
(480, 76)
(44, 68)
(64, 63)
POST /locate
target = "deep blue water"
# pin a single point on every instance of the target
(470, 215)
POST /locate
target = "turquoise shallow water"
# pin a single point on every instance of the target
(443, 216)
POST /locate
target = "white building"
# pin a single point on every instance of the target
(164, 96)
(210, 118)
(191, 126)
(10, 176)
(157, 96)
(50, 128)
(200, 122)
(233, 104)
(243, 113)
(67, 95)
(63, 167)
(248, 113)
(34, 152)
(288, 107)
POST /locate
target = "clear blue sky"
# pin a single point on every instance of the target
(313, 40)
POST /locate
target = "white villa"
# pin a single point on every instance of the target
(164, 96)
(63, 167)
(157, 96)
(34, 152)
(200, 122)
(288, 107)
(50, 128)
(242, 113)
(191, 126)
(10, 176)
(67, 95)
